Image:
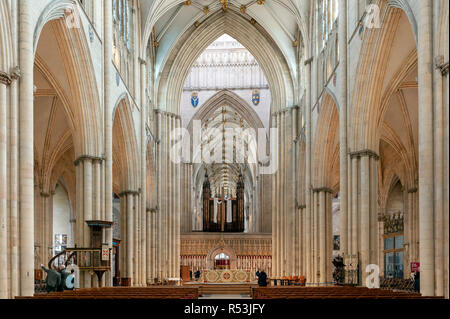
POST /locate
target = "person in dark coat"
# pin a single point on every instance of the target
(64, 275)
(417, 281)
(262, 278)
(53, 280)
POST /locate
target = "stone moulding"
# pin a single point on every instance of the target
(5, 78)
(364, 153)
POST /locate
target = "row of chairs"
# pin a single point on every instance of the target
(334, 292)
(122, 293)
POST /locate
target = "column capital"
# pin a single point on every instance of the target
(322, 189)
(128, 192)
(142, 61)
(88, 158)
(309, 61)
(5, 78)
(365, 153)
(413, 190)
(441, 65)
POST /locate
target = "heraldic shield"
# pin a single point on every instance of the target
(256, 97)
(194, 99)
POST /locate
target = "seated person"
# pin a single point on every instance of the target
(302, 280)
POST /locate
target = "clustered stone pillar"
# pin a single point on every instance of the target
(411, 227)
(26, 151)
(283, 195)
(43, 225)
(108, 115)
(143, 174)
(9, 182)
(169, 200)
(426, 195)
(9, 259)
(186, 191)
(323, 234)
(364, 209)
(127, 208)
(88, 206)
(343, 144)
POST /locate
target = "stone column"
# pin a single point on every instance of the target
(159, 181)
(3, 191)
(130, 235)
(87, 188)
(355, 224)
(322, 237)
(315, 237)
(278, 247)
(373, 170)
(308, 133)
(108, 125)
(275, 251)
(439, 187)
(365, 216)
(123, 235)
(26, 155)
(14, 160)
(343, 175)
(177, 210)
(79, 237)
(143, 162)
(97, 175)
(136, 235)
(282, 188)
(426, 172)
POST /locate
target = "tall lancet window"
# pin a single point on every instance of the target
(123, 18)
(329, 13)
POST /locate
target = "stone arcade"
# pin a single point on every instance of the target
(351, 97)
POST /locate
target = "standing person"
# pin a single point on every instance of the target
(417, 281)
(69, 283)
(53, 280)
(262, 278)
(64, 275)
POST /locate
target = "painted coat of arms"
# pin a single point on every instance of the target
(256, 97)
(194, 99)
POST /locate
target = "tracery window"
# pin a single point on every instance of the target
(123, 22)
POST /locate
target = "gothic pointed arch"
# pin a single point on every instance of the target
(195, 40)
(78, 90)
(326, 144)
(375, 80)
(125, 148)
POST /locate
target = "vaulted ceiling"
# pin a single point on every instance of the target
(284, 20)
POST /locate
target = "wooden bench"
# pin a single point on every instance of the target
(122, 293)
(331, 293)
